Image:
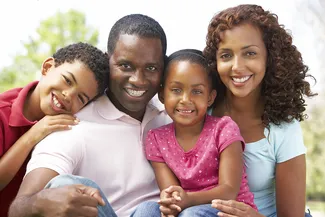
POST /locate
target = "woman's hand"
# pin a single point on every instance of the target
(232, 208)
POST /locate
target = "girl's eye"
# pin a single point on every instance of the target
(197, 91)
(67, 80)
(176, 90)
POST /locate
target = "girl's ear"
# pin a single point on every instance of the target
(47, 65)
(212, 97)
(161, 94)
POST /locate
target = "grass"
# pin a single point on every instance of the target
(316, 206)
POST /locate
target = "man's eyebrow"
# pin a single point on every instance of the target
(74, 78)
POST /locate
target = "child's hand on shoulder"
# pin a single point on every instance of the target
(50, 124)
(173, 200)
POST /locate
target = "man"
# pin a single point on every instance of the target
(106, 146)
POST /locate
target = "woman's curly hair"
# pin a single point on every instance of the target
(284, 84)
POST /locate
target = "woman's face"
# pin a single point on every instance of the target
(241, 59)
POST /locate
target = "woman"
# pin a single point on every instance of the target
(263, 83)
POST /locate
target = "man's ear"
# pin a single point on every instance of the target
(47, 65)
(212, 97)
(161, 94)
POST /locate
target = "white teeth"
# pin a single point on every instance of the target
(185, 111)
(56, 102)
(241, 80)
(135, 93)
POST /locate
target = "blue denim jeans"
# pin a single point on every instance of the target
(151, 209)
(63, 180)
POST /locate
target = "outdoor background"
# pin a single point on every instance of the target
(32, 30)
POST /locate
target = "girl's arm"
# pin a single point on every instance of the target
(230, 177)
(164, 175)
(291, 187)
(14, 158)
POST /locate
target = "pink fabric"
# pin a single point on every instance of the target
(198, 168)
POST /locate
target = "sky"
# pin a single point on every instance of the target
(184, 21)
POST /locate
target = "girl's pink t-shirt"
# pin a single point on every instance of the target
(198, 168)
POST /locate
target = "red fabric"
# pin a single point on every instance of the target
(13, 125)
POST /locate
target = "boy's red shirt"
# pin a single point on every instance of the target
(13, 125)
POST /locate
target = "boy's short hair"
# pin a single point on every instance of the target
(136, 24)
(91, 57)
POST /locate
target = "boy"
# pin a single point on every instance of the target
(75, 75)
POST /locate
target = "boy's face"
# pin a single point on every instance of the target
(67, 88)
(136, 68)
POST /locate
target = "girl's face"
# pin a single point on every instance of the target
(241, 59)
(187, 93)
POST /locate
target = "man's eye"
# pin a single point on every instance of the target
(152, 68)
(125, 66)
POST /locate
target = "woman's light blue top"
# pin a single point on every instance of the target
(282, 143)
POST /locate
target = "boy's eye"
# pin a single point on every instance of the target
(81, 99)
(67, 80)
(152, 68)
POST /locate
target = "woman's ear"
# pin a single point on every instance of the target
(161, 94)
(47, 65)
(212, 97)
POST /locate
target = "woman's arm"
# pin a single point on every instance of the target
(230, 176)
(291, 187)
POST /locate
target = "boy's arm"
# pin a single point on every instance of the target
(70, 200)
(230, 176)
(14, 158)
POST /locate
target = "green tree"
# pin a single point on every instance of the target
(53, 33)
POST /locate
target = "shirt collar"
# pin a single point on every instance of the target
(108, 111)
(17, 118)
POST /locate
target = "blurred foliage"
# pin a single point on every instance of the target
(53, 33)
(314, 137)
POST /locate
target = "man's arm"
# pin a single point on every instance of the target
(70, 200)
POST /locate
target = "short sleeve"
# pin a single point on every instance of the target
(228, 133)
(2, 142)
(59, 151)
(152, 148)
(289, 141)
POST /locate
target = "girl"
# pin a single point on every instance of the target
(197, 158)
(262, 90)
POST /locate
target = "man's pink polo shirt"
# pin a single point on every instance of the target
(13, 125)
(106, 147)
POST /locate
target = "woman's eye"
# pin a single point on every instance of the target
(225, 56)
(251, 53)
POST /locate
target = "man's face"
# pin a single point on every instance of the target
(136, 68)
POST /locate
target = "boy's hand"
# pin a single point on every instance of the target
(50, 124)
